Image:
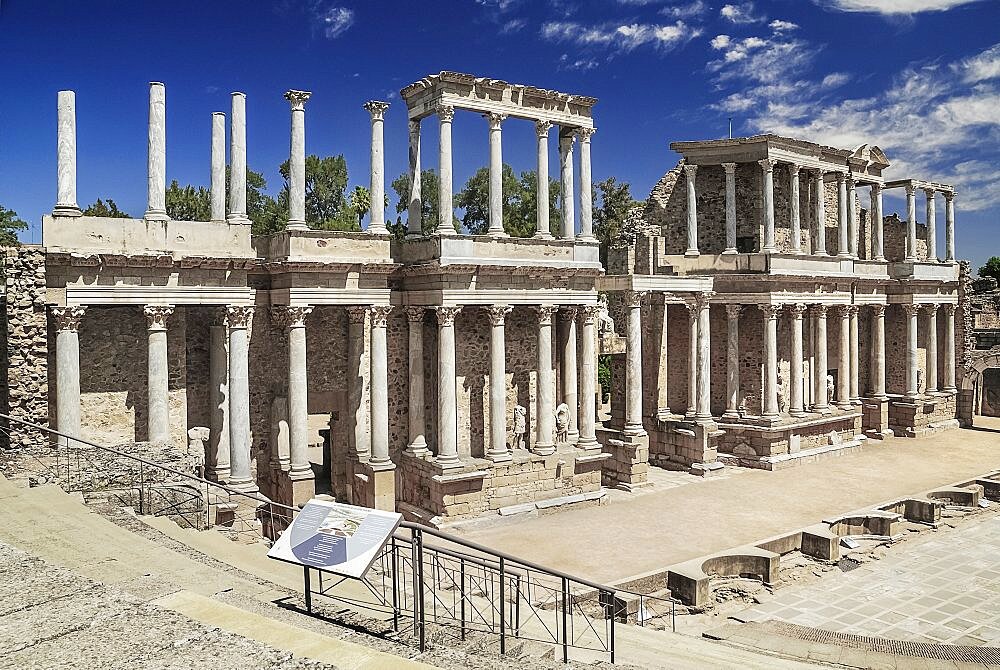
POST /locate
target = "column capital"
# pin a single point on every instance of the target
(445, 113)
(911, 309)
(691, 304)
(819, 310)
(566, 142)
(542, 128)
(414, 126)
(844, 311)
(446, 314)
(878, 311)
(588, 314)
(850, 180)
(377, 109)
(767, 164)
(495, 120)
(841, 177)
(796, 309)
(415, 314)
(690, 170)
(949, 308)
(793, 168)
(68, 318)
(288, 316)
(910, 189)
(498, 313)
(356, 313)
(585, 134)
(931, 308)
(569, 311)
(730, 168)
(733, 310)
(156, 315)
(239, 316)
(544, 313)
(876, 188)
(380, 315)
(701, 300)
(634, 298)
(770, 311)
(948, 195)
(297, 99)
(853, 310)
(929, 193)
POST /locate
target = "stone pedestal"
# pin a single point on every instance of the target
(628, 467)
(875, 418)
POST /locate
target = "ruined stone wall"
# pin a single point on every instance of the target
(894, 233)
(895, 348)
(24, 383)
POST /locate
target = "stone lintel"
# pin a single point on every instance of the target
(461, 476)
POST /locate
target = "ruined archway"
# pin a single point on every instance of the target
(980, 387)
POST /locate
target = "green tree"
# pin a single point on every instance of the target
(188, 203)
(524, 207)
(613, 204)
(326, 188)
(429, 198)
(266, 214)
(108, 209)
(474, 198)
(9, 225)
(360, 203)
(991, 268)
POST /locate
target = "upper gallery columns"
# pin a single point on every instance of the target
(66, 203)
(156, 158)
(446, 209)
(931, 190)
(297, 161)
(692, 211)
(542, 172)
(730, 169)
(496, 174)
(767, 165)
(376, 224)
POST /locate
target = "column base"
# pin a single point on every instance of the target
(844, 405)
(217, 474)
(67, 210)
(418, 449)
(731, 415)
(769, 250)
(448, 463)
(586, 238)
(589, 445)
(243, 485)
(542, 236)
(237, 219)
(500, 456)
(497, 233)
(377, 229)
(156, 215)
(729, 252)
(380, 466)
(296, 225)
(445, 231)
(692, 253)
(798, 414)
(542, 449)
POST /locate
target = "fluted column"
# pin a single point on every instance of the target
(586, 192)
(767, 165)
(852, 217)
(949, 227)
(376, 219)
(545, 421)
(820, 224)
(569, 371)
(911, 223)
(911, 350)
(156, 159)
(770, 405)
(498, 450)
(878, 344)
(218, 175)
(542, 197)
(703, 406)
(566, 140)
(496, 173)
(663, 369)
(447, 447)
(633, 364)
(795, 402)
(240, 477)
(931, 225)
(414, 210)
(158, 377)
(821, 403)
(931, 361)
(732, 361)
(844, 357)
(293, 319)
(692, 309)
(238, 160)
(878, 226)
(217, 462)
(692, 211)
(66, 204)
(949, 348)
(843, 220)
(588, 379)
(730, 169)
(358, 383)
(855, 354)
(67, 321)
(416, 444)
(446, 114)
(379, 390)
(793, 202)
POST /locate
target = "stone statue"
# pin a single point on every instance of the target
(520, 427)
(920, 381)
(830, 389)
(197, 437)
(562, 423)
(782, 399)
(605, 324)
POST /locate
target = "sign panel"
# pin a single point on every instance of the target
(339, 538)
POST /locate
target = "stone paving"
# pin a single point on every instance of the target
(943, 589)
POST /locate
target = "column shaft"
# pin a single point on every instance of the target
(844, 359)
(567, 194)
(795, 402)
(878, 226)
(157, 376)
(238, 160)
(949, 227)
(730, 208)
(843, 220)
(770, 360)
(911, 350)
(569, 371)
(931, 226)
(297, 163)
(218, 175)
(294, 320)
(498, 450)
(447, 448)
(445, 225)
(542, 204)
(793, 198)
(692, 407)
(414, 211)
(692, 211)
(376, 220)
(767, 165)
(855, 355)
(703, 409)
(732, 361)
(878, 344)
(663, 370)
(67, 321)
(217, 465)
(66, 204)
(588, 382)
(417, 442)
(239, 399)
(496, 174)
(911, 224)
(633, 364)
(821, 396)
(545, 421)
(949, 348)
(156, 159)
(820, 249)
(358, 380)
(379, 390)
(852, 217)
(586, 193)
(931, 361)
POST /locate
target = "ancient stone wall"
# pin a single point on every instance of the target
(894, 235)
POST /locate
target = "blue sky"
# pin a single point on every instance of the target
(920, 78)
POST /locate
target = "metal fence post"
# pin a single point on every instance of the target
(395, 593)
(141, 493)
(461, 593)
(307, 589)
(502, 606)
(565, 619)
(611, 634)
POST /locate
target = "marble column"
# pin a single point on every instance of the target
(447, 447)
(852, 217)
(496, 174)
(498, 451)
(567, 190)
(446, 208)
(379, 389)
(66, 204)
(297, 162)
(692, 211)
(730, 169)
(376, 219)
(692, 309)
(663, 369)
(586, 192)
(542, 198)
(821, 397)
(633, 364)
(217, 461)
(878, 226)
(931, 226)
(240, 477)
(569, 371)
(732, 361)
(218, 175)
(293, 319)
(820, 249)
(796, 407)
(878, 345)
(358, 383)
(770, 404)
(844, 358)
(949, 226)
(416, 444)
(157, 376)
(911, 224)
(156, 157)
(67, 322)
(767, 165)
(588, 379)
(793, 214)
(843, 220)
(238, 160)
(414, 211)
(703, 406)
(545, 419)
(911, 350)
(949, 348)
(855, 354)
(931, 360)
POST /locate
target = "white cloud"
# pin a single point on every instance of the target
(780, 26)
(741, 13)
(620, 37)
(894, 7)
(835, 80)
(980, 67)
(688, 11)
(721, 41)
(512, 26)
(335, 20)
(581, 64)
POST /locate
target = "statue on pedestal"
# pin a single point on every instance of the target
(520, 427)
(782, 400)
(920, 381)
(562, 424)
(830, 389)
(197, 437)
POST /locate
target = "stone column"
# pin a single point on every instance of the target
(931, 225)
(238, 160)
(821, 401)
(569, 371)
(566, 139)
(294, 321)
(949, 227)
(240, 477)
(730, 207)
(417, 442)
(767, 164)
(931, 361)
(692, 407)
(796, 224)
(217, 461)
(447, 447)
(703, 407)
(542, 133)
(545, 419)
(297, 162)
(843, 220)
(67, 321)
(633, 364)
(692, 211)
(358, 382)
(878, 232)
(855, 354)
(156, 158)
(376, 220)
(878, 344)
(498, 451)
(663, 369)
(157, 377)
(588, 381)
(911, 350)
(732, 361)
(949, 348)
(911, 224)
(446, 114)
(414, 211)
(586, 193)
(770, 404)
(852, 217)
(844, 358)
(820, 249)
(795, 404)
(496, 174)
(66, 204)
(379, 389)
(218, 166)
